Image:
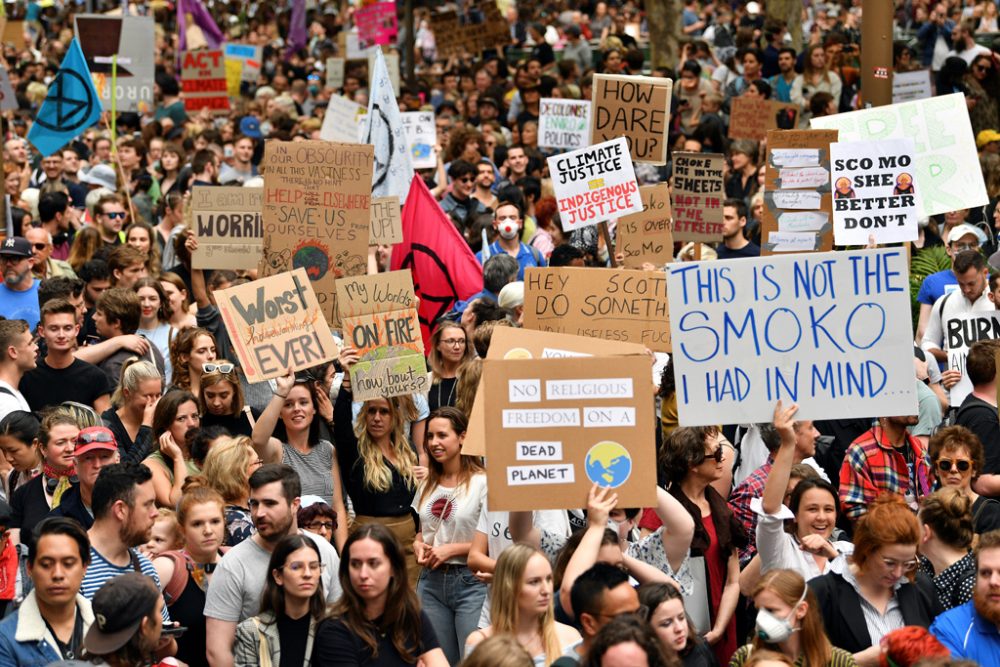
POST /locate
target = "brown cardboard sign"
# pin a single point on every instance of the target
(634, 107)
(12, 32)
(317, 213)
(647, 236)
(698, 193)
(558, 426)
(751, 118)
(386, 222)
(612, 304)
(227, 222)
(456, 36)
(203, 81)
(275, 323)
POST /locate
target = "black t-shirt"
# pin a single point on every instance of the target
(189, 611)
(985, 515)
(293, 634)
(81, 382)
(335, 644)
(980, 417)
(751, 249)
(28, 506)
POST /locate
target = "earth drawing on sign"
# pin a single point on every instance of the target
(608, 464)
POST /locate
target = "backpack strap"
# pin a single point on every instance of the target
(5, 390)
(178, 580)
(941, 307)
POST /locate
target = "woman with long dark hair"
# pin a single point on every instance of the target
(176, 413)
(665, 613)
(378, 619)
(18, 431)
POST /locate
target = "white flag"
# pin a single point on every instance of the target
(383, 129)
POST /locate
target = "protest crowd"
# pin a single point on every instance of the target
(500, 333)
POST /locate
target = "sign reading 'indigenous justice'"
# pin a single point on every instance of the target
(594, 184)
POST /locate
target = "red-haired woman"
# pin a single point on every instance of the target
(908, 645)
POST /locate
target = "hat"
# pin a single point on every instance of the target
(250, 127)
(753, 8)
(93, 438)
(512, 295)
(119, 607)
(958, 231)
(309, 501)
(490, 101)
(983, 138)
(102, 175)
(16, 246)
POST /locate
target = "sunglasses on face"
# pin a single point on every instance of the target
(39, 246)
(961, 465)
(115, 215)
(218, 368)
(718, 454)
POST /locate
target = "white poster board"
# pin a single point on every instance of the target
(911, 86)
(335, 72)
(829, 331)
(342, 121)
(563, 124)
(595, 184)
(421, 133)
(960, 333)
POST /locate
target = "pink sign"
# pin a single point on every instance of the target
(377, 24)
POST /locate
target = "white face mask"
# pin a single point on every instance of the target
(774, 630)
(508, 230)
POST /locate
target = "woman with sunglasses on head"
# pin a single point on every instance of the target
(288, 432)
(788, 622)
(171, 464)
(946, 545)
(221, 399)
(133, 405)
(227, 469)
(154, 318)
(450, 349)
(189, 352)
(878, 589)
(957, 458)
(664, 607)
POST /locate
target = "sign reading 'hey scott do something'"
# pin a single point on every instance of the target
(830, 331)
(594, 184)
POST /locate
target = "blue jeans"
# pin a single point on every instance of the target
(453, 598)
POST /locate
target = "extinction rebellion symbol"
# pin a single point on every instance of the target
(70, 113)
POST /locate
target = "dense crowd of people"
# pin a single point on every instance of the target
(156, 505)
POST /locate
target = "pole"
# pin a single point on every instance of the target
(602, 227)
(409, 43)
(876, 53)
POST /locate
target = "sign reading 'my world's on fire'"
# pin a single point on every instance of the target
(594, 184)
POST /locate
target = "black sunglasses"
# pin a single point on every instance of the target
(718, 455)
(961, 465)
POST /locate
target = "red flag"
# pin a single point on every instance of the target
(443, 266)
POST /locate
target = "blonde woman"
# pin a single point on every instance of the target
(227, 469)
(816, 77)
(133, 405)
(521, 606)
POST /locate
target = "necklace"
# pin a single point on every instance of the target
(450, 393)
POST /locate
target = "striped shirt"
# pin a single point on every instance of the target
(101, 570)
(878, 624)
(838, 658)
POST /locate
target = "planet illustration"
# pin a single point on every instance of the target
(313, 259)
(608, 464)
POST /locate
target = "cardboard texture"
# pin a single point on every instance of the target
(228, 225)
(379, 318)
(386, 222)
(510, 343)
(131, 39)
(275, 323)
(12, 32)
(698, 193)
(558, 426)
(752, 118)
(797, 161)
(610, 304)
(203, 81)
(317, 211)
(647, 236)
(594, 184)
(634, 107)
(453, 37)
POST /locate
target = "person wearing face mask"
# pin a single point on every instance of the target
(508, 223)
(788, 621)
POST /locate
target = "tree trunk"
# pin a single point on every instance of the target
(790, 13)
(664, 20)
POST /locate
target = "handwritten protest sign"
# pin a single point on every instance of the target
(752, 117)
(563, 124)
(698, 192)
(249, 56)
(129, 40)
(335, 72)
(960, 333)
(386, 222)
(558, 426)
(947, 167)
(910, 86)
(12, 32)
(873, 192)
(829, 331)
(377, 23)
(634, 107)
(646, 236)
(342, 121)
(317, 210)
(203, 81)
(379, 316)
(422, 135)
(227, 223)
(482, 27)
(594, 184)
(614, 304)
(275, 323)
(797, 202)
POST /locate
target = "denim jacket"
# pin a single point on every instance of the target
(25, 641)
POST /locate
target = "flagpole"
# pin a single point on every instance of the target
(114, 100)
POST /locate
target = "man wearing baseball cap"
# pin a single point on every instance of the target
(127, 626)
(95, 449)
(19, 291)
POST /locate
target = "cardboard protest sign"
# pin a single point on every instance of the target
(317, 210)
(12, 32)
(960, 333)
(8, 98)
(203, 81)
(249, 57)
(558, 426)
(227, 223)
(379, 315)
(335, 72)
(873, 192)
(634, 107)
(386, 222)
(563, 124)
(646, 236)
(234, 76)
(130, 41)
(342, 120)
(275, 323)
(376, 23)
(829, 331)
(947, 166)
(594, 184)
(350, 44)
(421, 132)
(482, 27)
(910, 86)
(510, 343)
(797, 201)
(698, 193)
(612, 304)
(751, 117)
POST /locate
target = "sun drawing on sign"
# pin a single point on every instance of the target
(312, 256)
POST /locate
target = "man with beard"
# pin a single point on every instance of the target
(235, 590)
(19, 291)
(971, 631)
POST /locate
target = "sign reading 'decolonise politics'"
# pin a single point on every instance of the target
(830, 331)
(556, 427)
(563, 124)
(614, 304)
(594, 184)
(698, 195)
(634, 107)
(275, 323)
(227, 222)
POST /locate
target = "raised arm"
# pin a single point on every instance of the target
(678, 528)
(600, 502)
(777, 480)
(268, 448)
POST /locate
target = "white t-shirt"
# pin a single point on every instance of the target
(449, 515)
(12, 401)
(969, 54)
